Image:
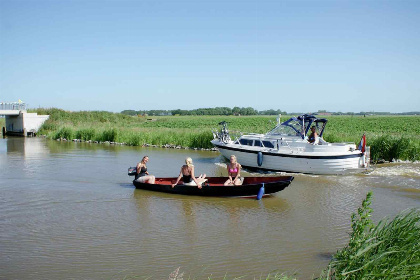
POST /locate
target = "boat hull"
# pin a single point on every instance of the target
(214, 186)
(296, 163)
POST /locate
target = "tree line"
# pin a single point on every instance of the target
(243, 111)
(218, 111)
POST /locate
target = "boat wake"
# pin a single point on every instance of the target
(397, 169)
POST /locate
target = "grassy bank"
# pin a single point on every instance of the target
(388, 250)
(390, 137)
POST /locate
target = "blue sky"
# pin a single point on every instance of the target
(297, 56)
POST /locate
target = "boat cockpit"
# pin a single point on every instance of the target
(299, 126)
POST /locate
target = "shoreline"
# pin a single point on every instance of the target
(179, 147)
(164, 146)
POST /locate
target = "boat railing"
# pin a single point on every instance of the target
(342, 144)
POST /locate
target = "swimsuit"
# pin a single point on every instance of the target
(186, 178)
(231, 170)
(142, 172)
(311, 138)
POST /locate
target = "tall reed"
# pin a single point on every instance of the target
(388, 250)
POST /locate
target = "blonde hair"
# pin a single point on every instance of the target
(234, 158)
(189, 162)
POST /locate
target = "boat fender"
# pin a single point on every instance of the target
(260, 158)
(261, 192)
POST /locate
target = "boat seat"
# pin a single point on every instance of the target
(322, 141)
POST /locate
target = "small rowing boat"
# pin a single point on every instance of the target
(251, 187)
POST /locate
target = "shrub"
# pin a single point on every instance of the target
(389, 250)
(64, 132)
(85, 134)
(110, 134)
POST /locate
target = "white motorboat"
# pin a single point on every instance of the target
(286, 148)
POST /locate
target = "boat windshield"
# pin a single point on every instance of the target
(298, 126)
(289, 128)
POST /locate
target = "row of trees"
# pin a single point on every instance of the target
(376, 113)
(226, 111)
(248, 111)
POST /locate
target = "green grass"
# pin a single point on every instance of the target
(388, 250)
(390, 137)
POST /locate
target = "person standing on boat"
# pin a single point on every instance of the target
(187, 175)
(313, 138)
(234, 173)
(142, 175)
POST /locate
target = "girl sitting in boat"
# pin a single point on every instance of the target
(142, 175)
(187, 174)
(234, 173)
(313, 138)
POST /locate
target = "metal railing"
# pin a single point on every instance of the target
(12, 106)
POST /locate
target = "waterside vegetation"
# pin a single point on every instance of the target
(390, 137)
(387, 250)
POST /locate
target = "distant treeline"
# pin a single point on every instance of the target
(248, 111)
(218, 111)
(377, 113)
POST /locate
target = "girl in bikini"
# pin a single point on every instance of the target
(234, 172)
(187, 175)
(142, 175)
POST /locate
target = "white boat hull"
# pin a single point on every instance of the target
(350, 162)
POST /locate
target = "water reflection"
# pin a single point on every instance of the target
(27, 147)
(198, 228)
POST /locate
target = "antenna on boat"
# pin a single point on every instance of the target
(278, 118)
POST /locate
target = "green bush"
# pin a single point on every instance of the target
(85, 134)
(389, 148)
(201, 140)
(388, 250)
(110, 134)
(65, 133)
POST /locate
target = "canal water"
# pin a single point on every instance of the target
(69, 211)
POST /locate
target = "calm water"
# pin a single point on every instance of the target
(69, 211)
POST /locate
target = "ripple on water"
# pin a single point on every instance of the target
(397, 169)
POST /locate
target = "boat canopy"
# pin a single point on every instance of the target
(299, 126)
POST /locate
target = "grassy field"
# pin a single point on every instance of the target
(390, 137)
